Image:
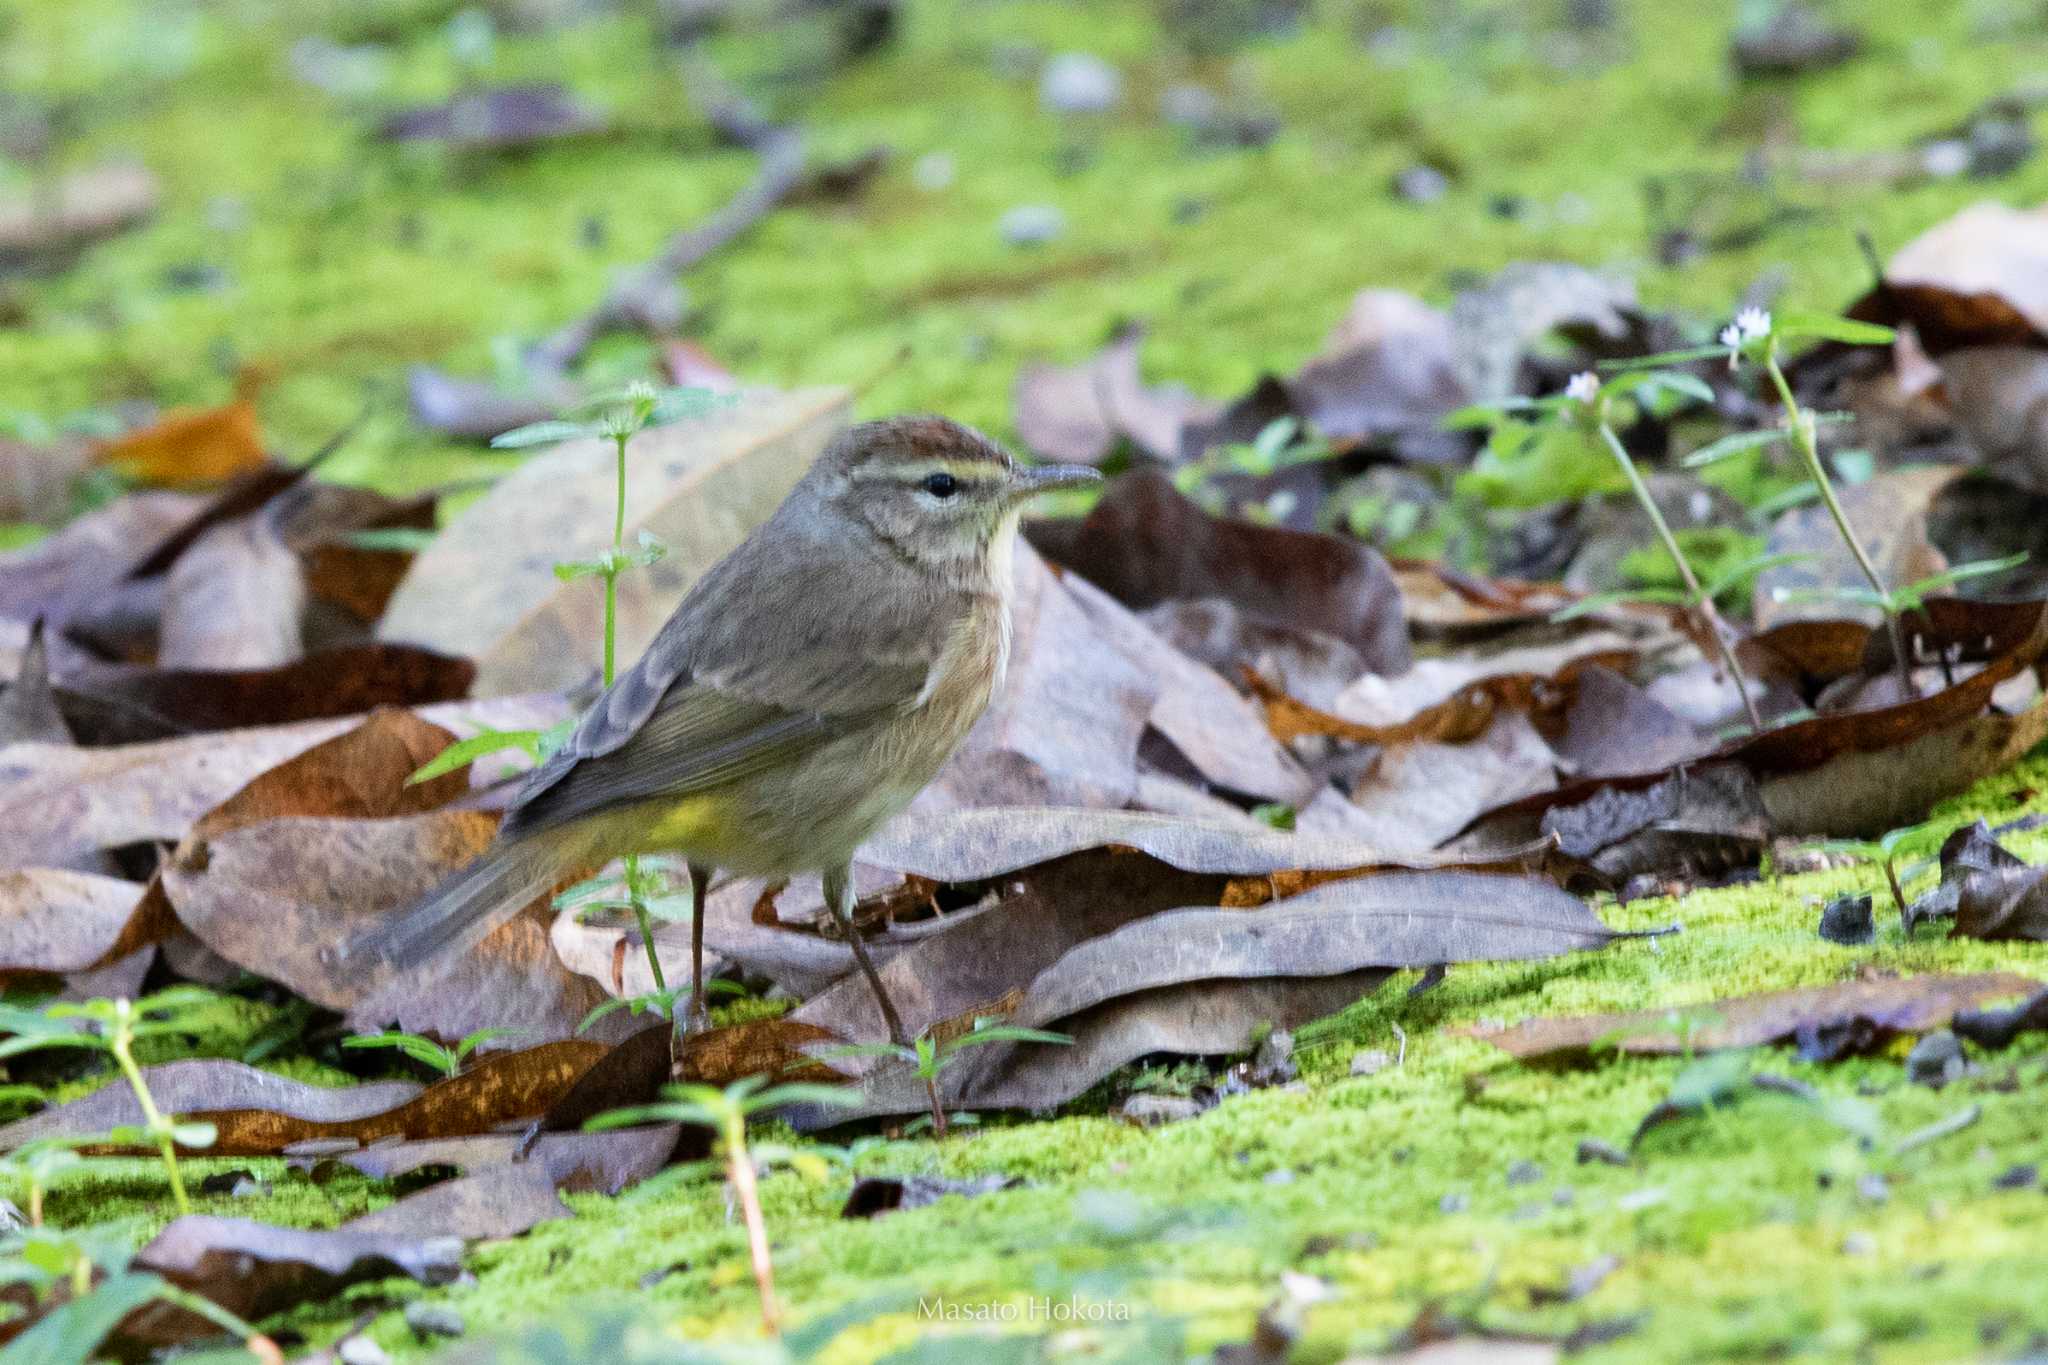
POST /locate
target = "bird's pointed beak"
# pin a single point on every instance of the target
(1045, 478)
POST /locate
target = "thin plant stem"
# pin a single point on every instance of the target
(35, 1203)
(931, 1090)
(1891, 874)
(153, 1118)
(1809, 450)
(740, 1171)
(611, 636)
(1709, 615)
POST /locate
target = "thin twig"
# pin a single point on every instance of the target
(782, 162)
(1935, 1132)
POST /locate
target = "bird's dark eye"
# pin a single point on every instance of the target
(940, 485)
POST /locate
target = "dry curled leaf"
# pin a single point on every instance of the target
(1907, 1004)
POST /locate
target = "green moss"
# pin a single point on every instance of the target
(346, 259)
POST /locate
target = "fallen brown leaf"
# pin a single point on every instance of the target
(191, 446)
(279, 897)
(58, 921)
(1976, 279)
(601, 1163)
(1144, 544)
(61, 803)
(234, 600)
(1077, 413)
(82, 207)
(257, 1112)
(1908, 1004)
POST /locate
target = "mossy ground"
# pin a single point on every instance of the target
(336, 261)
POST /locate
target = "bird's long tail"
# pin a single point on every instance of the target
(464, 908)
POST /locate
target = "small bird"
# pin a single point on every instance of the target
(806, 689)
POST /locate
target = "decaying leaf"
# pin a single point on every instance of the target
(1874, 1009)
(1144, 544)
(79, 209)
(344, 681)
(234, 600)
(1077, 413)
(28, 708)
(497, 120)
(278, 898)
(1889, 513)
(603, 1163)
(191, 446)
(60, 803)
(257, 1112)
(360, 774)
(1975, 280)
(80, 565)
(491, 1203)
(1863, 772)
(58, 921)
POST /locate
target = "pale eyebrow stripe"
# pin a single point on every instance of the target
(967, 471)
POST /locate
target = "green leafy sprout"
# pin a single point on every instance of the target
(446, 1060)
(90, 1267)
(112, 1027)
(929, 1058)
(1593, 407)
(726, 1112)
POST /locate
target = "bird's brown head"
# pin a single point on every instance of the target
(935, 492)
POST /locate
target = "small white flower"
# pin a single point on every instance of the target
(1731, 337)
(1583, 387)
(1751, 324)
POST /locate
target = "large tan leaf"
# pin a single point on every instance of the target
(486, 586)
(58, 803)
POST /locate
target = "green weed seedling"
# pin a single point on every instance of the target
(446, 1060)
(726, 1113)
(1591, 407)
(90, 1267)
(38, 1166)
(113, 1027)
(1910, 841)
(616, 416)
(930, 1058)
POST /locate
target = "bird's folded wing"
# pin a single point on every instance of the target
(697, 738)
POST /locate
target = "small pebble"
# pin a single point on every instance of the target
(2017, 1178)
(360, 1350)
(1032, 225)
(1936, 1060)
(1282, 1176)
(1527, 1213)
(1422, 184)
(1369, 1062)
(1524, 1173)
(1859, 1244)
(1079, 83)
(934, 171)
(1189, 106)
(1873, 1189)
(1847, 920)
(1564, 1196)
(1593, 1149)
(1151, 1111)
(1273, 1059)
(433, 1319)
(1451, 1203)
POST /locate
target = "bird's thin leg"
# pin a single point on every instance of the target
(700, 889)
(839, 895)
